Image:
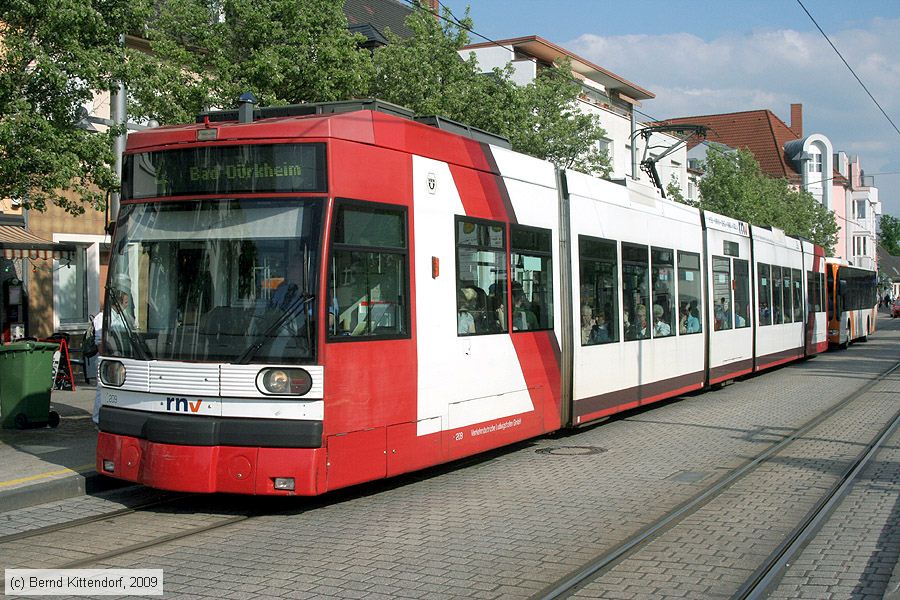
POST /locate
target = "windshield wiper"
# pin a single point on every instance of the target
(136, 342)
(261, 339)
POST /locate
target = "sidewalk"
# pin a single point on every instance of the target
(43, 465)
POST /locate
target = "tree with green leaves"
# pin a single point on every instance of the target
(734, 185)
(206, 53)
(54, 56)
(196, 54)
(426, 74)
(889, 234)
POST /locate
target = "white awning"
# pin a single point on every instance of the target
(18, 242)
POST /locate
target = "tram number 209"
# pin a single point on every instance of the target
(458, 436)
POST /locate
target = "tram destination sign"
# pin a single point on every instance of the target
(257, 168)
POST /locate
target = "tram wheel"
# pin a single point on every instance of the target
(53, 419)
(21, 421)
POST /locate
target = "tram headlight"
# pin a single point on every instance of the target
(284, 382)
(112, 372)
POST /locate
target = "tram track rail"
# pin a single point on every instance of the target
(138, 522)
(62, 526)
(768, 573)
(225, 522)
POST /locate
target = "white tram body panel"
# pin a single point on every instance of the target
(782, 339)
(727, 273)
(629, 372)
(463, 380)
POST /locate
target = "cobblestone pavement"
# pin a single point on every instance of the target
(713, 551)
(854, 554)
(513, 522)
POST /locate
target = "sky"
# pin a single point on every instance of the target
(703, 56)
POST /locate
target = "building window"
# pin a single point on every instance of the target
(72, 288)
(368, 272)
(605, 146)
(860, 209)
(599, 291)
(481, 277)
(815, 163)
(532, 278)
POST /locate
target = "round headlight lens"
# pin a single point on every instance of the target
(112, 372)
(285, 382)
(277, 382)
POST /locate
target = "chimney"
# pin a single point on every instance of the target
(797, 119)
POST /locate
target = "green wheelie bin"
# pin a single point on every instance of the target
(26, 376)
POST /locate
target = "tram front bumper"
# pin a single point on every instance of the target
(203, 455)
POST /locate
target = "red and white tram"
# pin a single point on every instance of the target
(302, 302)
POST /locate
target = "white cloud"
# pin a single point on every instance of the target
(772, 69)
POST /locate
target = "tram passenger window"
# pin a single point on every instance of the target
(599, 291)
(796, 276)
(662, 277)
(532, 278)
(690, 297)
(777, 297)
(822, 292)
(787, 310)
(721, 289)
(481, 277)
(812, 294)
(368, 280)
(635, 292)
(764, 308)
(741, 293)
(831, 293)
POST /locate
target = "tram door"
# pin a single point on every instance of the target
(729, 302)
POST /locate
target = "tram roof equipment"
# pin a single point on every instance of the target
(345, 106)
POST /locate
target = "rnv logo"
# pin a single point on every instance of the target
(182, 404)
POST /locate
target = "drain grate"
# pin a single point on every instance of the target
(571, 450)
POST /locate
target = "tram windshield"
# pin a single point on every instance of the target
(215, 281)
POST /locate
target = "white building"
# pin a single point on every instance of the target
(610, 97)
(858, 216)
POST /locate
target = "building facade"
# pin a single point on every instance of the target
(608, 96)
(808, 162)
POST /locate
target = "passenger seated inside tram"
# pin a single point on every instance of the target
(523, 317)
(739, 320)
(600, 333)
(495, 301)
(587, 324)
(594, 330)
(693, 320)
(465, 320)
(723, 316)
(660, 327)
(764, 312)
(640, 329)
